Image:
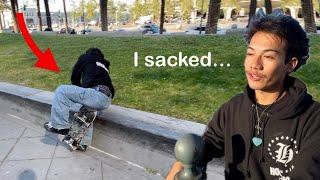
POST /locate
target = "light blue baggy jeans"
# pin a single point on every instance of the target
(70, 98)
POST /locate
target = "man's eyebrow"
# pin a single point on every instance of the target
(265, 50)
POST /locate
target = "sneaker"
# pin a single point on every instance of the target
(51, 129)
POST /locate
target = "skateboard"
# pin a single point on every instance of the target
(81, 122)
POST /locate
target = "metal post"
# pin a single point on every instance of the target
(84, 24)
(188, 151)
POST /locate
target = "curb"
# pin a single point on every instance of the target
(145, 138)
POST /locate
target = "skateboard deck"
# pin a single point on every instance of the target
(79, 127)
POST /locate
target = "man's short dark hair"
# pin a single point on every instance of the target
(286, 28)
(95, 51)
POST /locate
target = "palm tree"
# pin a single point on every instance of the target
(14, 7)
(162, 15)
(104, 14)
(252, 10)
(213, 16)
(2, 15)
(65, 15)
(2, 7)
(308, 16)
(1, 27)
(48, 15)
(268, 5)
(39, 15)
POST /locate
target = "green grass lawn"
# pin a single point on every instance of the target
(183, 92)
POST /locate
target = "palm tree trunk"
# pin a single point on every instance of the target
(1, 27)
(104, 14)
(65, 15)
(268, 5)
(4, 23)
(213, 16)
(308, 16)
(39, 15)
(13, 11)
(16, 5)
(162, 15)
(48, 15)
(252, 10)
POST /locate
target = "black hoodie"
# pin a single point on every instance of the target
(290, 136)
(93, 70)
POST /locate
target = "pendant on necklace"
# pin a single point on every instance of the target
(257, 141)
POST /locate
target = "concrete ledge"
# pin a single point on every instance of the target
(141, 137)
(160, 125)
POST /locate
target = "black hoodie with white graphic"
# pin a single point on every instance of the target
(290, 136)
(92, 70)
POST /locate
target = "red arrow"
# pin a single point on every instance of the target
(46, 59)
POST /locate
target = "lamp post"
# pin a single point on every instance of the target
(84, 24)
(201, 17)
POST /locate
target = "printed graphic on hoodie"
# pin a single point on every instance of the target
(103, 66)
(282, 151)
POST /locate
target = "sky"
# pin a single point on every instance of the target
(56, 5)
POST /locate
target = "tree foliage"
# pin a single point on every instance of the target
(90, 8)
(186, 7)
(4, 5)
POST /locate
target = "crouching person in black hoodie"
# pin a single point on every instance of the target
(93, 93)
(272, 129)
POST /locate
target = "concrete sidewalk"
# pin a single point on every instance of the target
(28, 152)
(127, 143)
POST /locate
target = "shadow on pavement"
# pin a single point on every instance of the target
(27, 174)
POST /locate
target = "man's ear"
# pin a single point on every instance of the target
(291, 64)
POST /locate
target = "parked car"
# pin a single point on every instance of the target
(196, 30)
(85, 31)
(119, 30)
(70, 31)
(48, 29)
(31, 30)
(151, 29)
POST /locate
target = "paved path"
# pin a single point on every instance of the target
(28, 152)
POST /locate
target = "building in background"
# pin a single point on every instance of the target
(238, 11)
(242, 9)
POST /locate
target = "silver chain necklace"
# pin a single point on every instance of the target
(257, 140)
(259, 122)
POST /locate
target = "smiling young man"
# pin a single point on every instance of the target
(272, 129)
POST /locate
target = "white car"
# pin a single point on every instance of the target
(31, 30)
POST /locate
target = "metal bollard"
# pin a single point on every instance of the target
(188, 151)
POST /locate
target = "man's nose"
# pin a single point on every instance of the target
(256, 62)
